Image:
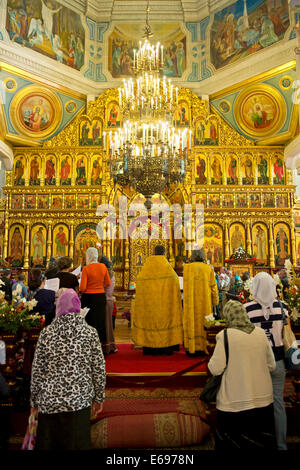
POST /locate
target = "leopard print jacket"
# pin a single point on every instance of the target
(68, 370)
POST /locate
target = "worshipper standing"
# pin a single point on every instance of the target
(200, 294)
(6, 287)
(245, 416)
(52, 270)
(224, 285)
(265, 312)
(45, 297)
(66, 279)
(19, 290)
(68, 377)
(94, 279)
(109, 346)
(156, 311)
(283, 276)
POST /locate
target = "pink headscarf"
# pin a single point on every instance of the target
(68, 302)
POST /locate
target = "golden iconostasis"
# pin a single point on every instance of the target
(55, 189)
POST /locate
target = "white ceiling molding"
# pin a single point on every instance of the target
(6, 155)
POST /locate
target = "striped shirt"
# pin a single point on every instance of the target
(273, 326)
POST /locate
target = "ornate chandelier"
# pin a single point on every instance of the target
(148, 152)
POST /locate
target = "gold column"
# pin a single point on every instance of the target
(6, 233)
(249, 245)
(171, 241)
(271, 246)
(226, 240)
(126, 264)
(49, 243)
(293, 241)
(27, 243)
(71, 243)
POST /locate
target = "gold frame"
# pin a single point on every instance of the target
(15, 110)
(274, 96)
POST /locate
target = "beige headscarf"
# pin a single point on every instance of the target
(91, 255)
(236, 317)
(264, 292)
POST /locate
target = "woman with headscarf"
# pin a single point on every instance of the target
(94, 280)
(266, 312)
(245, 399)
(68, 378)
(109, 346)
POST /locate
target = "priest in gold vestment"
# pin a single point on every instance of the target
(200, 294)
(157, 310)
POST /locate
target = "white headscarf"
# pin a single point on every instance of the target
(264, 292)
(91, 255)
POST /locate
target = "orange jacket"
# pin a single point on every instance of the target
(94, 279)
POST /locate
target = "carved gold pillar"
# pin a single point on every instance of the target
(27, 243)
(293, 241)
(226, 240)
(6, 233)
(271, 246)
(249, 245)
(71, 243)
(49, 243)
(171, 241)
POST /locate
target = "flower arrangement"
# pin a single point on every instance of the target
(292, 294)
(15, 316)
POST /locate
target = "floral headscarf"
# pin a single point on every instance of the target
(236, 317)
(68, 302)
(91, 255)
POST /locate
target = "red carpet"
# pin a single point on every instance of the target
(128, 361)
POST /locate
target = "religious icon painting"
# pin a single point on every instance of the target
(43, 201)
(278, 170)
(34, 171)
(66, 170)
(200, 169)
(81, 170)
(206, 132)
(180, 254)
(70, 201)
(228, 200)
(260, 244)
(50, 171)
(282, 201)
(113, 115)
(29, 201)
(90, 133)
(254, 201)
(247, 170)
(213, 244)
(201, 199)
(216, 172)
(85, 237)
(16, 201)
(214, 200)
(60, 240)
(38, 246)
(56, 201)
(20, 165)
(117, 258)
(282, 243)
(268, 200)
(296, 218)
(237, 237)
(176, 198)
(241, 201)
(263, 169)
(95, 201)
(182, 115)
(232, 169)
(16, 245)
(96, 176)
(83, 201)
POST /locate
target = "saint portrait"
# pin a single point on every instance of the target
(16, 201)
(96, 176)
(90, 133)
(247, 166)
(213, 244)
(70, 201)
(255, 201)
(182, 115)
(96, 201)
(38, 246)
(29, 201)
(241, 201)
(113, 115)
(16, 245)
(201, 199)
(268, 200)
(282, 201)
(216, 171)
(43, 201)
(65, 171)
(37, 113)
(81, 170)
(60, 238)
(228, 200)
(260, 244)
(19, 172)
(83, 201)
(278, 168)
(206, 132)
(57, 202)
(214, 200)
(232, 170)
(237, 237)
(85, 237)
(34, 168)
(50, 171)
(282, 244)
(201, 171)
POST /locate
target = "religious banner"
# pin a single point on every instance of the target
(260, 244)
(282, 243)
(16, 245)
(38, 246)
(237, 237)
(60, 240)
